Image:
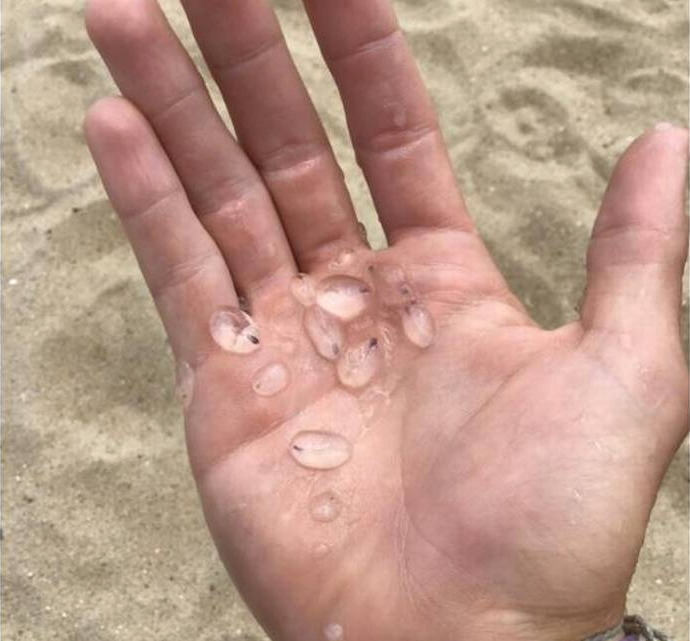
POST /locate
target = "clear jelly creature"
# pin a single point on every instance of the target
(343, 296)
(303, 288)
(325, 507)
(360, 364)
(271, 380)
(343, 260)
(325, 333)
(235, 331)
(320, 450)
(418, 325)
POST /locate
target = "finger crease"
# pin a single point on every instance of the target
(218, 68)
(389, 39)
(228, 194)
(397, 141)
(182, 273)
(292, 157)
(160, 114)
(157, 204)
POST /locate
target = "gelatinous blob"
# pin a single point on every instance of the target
(303, 288)
(343, 296)
(325, 507)
(320, 450)
(418, 325)
(325, 333)
(271, 379)
(184, 379)
(334, 632)
(360, 364)
(342, 260)
(235, 331)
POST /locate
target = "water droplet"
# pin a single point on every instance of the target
(343, 260)
(303, 288)
(184, 389)
(334, 632)
(418, 325)
(325, 333)
(235, 331)
(320, 450)
(343, 296)
(325, 507)
(271, 379)
(360, 364)
(321, 550)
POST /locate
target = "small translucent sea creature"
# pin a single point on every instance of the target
(234, 331)
(271, 380)
(320, 450)
(343, 296)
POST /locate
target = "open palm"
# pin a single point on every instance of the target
(387, 447)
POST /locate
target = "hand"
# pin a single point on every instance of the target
(472, 476)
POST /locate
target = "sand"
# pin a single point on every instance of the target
(103, 536)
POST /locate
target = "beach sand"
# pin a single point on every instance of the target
(103, 534)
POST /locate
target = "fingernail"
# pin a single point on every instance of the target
(664, 126)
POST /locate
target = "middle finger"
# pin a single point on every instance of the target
(276, 123)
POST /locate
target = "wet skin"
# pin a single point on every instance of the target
(413, 458)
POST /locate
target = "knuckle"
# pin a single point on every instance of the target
(182, 274)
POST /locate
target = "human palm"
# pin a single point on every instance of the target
(387, 448)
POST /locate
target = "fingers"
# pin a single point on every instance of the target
(154, 71)
(182, 265)
(639, 244)
(392, 122)
(276, 123)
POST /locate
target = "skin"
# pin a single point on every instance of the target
(504, 489)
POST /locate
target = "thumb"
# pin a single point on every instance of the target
(640, 241)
